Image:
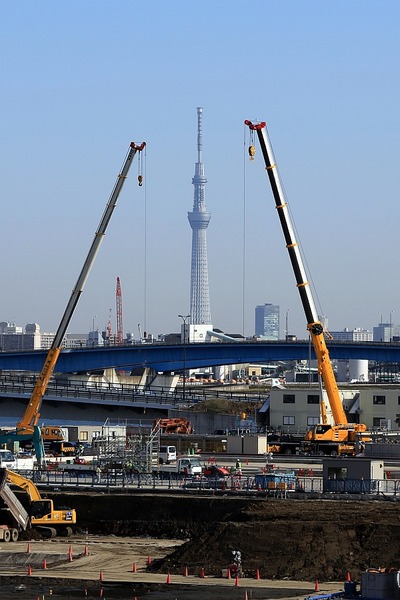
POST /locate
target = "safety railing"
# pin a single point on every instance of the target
(125, 480)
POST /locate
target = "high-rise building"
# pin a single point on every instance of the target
(199, 218)
(267, 321)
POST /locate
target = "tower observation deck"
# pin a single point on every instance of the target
(199, 219)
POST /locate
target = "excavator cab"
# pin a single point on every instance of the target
(41, 508)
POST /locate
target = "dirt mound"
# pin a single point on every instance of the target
(302, 540)
(298, 539)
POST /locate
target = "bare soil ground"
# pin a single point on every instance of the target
(115, 557)
(285, 540)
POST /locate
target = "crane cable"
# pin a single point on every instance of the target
(143, 166)
(299, 244)
(140, 175)
(251, 148)
(244, 230)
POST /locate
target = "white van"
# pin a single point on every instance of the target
(167, 455)
(7, 459)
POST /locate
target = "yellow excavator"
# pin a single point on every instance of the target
(27, 429)
(324, 438)
(41, 515)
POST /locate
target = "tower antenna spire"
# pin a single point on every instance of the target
(199, 219)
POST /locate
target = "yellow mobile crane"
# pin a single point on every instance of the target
(324, 438)
(27, 428)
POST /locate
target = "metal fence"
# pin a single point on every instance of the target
(119, 480)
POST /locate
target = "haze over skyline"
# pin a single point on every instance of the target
(80, 81)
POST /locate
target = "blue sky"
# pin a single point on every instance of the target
(81, 80)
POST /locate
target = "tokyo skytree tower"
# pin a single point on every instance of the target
(199, 219)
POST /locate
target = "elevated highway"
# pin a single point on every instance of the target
(172, 357)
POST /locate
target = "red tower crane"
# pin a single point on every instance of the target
(120, 325)
(109, 328)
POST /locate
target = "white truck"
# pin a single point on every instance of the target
(188, 466)
(7, 459)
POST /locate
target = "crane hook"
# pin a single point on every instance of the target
(252, 152)
(140, 180)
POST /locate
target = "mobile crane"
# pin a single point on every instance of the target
(324, 438)
(42, 515)
(27, 429)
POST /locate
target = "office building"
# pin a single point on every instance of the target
(267, 321)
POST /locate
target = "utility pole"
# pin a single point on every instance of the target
(185, 320)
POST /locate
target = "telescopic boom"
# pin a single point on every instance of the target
(32, 413)
(314, 326)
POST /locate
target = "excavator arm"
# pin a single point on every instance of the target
(24, 484)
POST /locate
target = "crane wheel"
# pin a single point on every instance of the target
(7, 535)
(14, 535)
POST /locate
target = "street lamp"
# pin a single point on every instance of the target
(391, 327)
(185, 319)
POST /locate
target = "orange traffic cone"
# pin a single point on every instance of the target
(202, 574)
(44, 565)
(245, 595)
(29, 570)
(316, 587)
(86, 551)
(229, 574)
(258, 574)
(148, 560)
(348, 576)
(28, 548)
(237, 581)
(134, 568)
(101, 576)
(186, 572)
(168, 578)
(101, 592)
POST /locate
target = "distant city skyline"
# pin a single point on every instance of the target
(266, 315)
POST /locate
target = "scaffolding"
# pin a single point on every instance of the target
(129, 445)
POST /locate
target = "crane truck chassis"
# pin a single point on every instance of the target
(289, 446)
(42, 515)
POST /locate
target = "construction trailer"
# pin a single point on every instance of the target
(351, 475)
